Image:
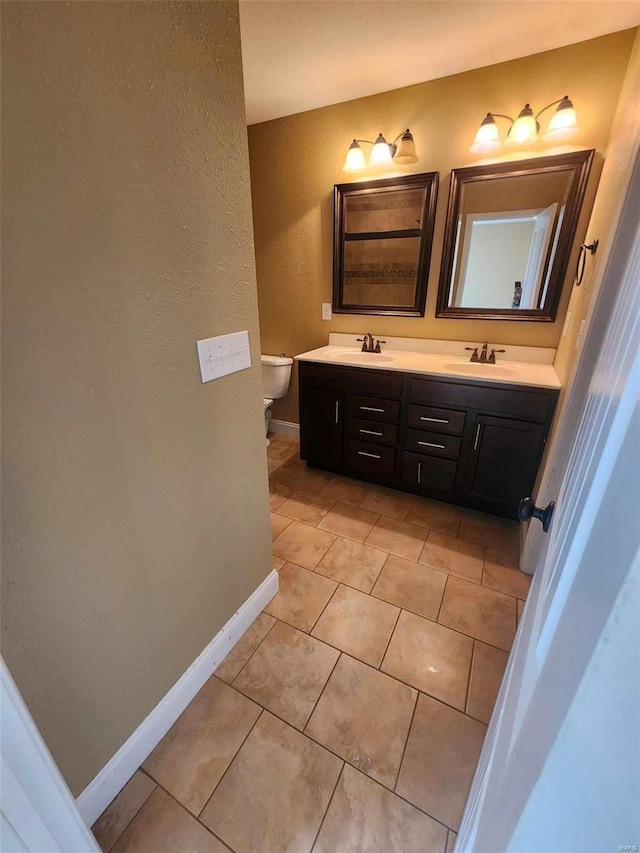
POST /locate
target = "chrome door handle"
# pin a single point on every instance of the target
(369, 432)
(477, 436)
(435, 420)
(337, 414)
(370, 409)
(371, 455)
(429, 444)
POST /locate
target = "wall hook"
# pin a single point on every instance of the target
(582, 260)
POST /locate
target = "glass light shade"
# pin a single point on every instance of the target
(406, 150)
(354, 161)
(563, 124)
(380, 153)
(487, 138)
(525, 128)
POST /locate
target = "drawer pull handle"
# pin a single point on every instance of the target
(370, 409)
(337, 417)
(477, 436)
(371, 455)
(419, 473)
(435, 420)
(430, 444)
(369, 432)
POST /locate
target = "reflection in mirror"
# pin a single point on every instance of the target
(383, 234)
(510, 229)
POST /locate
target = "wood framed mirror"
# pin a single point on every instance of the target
(383, 231)
(509, 236)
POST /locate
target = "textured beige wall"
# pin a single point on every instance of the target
(135, 498)
(625, 132)
(295, 162)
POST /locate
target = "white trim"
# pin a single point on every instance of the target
(38, 811)
(284, 428)
(121, 767)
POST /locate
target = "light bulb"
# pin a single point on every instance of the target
(487, 138)
(354, 161)
(380, 153)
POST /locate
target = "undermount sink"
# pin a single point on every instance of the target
(477, 367)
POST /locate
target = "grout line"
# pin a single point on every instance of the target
(235, 755)
(191, 814)
(406, 741)
(393, 630)
(271, 627)
(330, 599)
(315, 704)
(468, 691)
(444, 592)
(326, 811)
(137, 812)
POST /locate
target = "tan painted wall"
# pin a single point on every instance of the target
(295, 162)
(135, 498)
(625, 132)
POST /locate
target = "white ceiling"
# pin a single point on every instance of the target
(303, 54)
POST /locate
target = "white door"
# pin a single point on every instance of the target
(560, 772)
(534, 270)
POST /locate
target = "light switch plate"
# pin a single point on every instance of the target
(326, 310)
(223, 355)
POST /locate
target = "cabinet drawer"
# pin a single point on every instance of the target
(374, 409)
(442, 420)
(427, 474)
(371, 431)
(370, 460)
(435, 444)
(356, 380)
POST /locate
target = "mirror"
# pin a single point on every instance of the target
(383, 232)
(509, 235)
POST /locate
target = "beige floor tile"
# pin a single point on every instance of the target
(287, 673)
(435, 515)
(363, 716)
(280, 471)
(397, 537)
(352, 564)
(366, 818)
(285, 450)
(245, 647)
(278, 524)
(487, 671)
(501, 573)
(346, 491)
(520, 605)
(451, 840)
(416, 588)
(278, 493)
(302, 597)
(441, 756)
(357, 624)
(278, 563)
(387, 502)
(348, 521)
(454, 556)
(192, 757)
(303, 545)
(308, 480)
(275, 793)
(119, 814)
(305, 507)
(488, 530)
(430, 657)
(162, 826)
(482, 613)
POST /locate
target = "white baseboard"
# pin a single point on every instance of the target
(120, 768)
(285, 428)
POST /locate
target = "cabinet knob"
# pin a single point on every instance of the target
(527, 509)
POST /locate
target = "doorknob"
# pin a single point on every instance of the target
(527, 509)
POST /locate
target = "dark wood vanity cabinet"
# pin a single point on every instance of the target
(474, 443)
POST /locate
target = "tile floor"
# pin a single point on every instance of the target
(351, 715)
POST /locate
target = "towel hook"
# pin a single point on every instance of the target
(582, 260)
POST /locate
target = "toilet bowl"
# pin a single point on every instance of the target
(276, 373)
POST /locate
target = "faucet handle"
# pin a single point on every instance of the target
(492, 357)
(378, 349)
(474, 355)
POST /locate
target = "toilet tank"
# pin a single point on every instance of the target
(276, 373)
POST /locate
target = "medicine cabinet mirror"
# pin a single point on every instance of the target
(383, 231)
(509, 235)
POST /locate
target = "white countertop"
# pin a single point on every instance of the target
(437, 364)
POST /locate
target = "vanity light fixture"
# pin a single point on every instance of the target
(526, 127)
(402, 150)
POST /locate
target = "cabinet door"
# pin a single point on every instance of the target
(503, 462)
(321, 427)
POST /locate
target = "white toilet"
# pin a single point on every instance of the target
(276, 373)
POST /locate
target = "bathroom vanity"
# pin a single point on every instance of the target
(430, 424)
